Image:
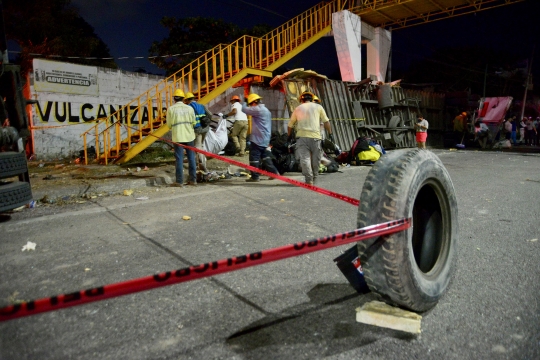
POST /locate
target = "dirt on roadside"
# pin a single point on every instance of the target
(49, 175)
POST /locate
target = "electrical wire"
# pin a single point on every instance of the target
(112, 58)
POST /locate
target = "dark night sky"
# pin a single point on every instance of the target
(129, 27)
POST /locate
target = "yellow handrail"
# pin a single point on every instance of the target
(210, 70)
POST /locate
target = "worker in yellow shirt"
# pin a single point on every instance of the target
(305, 122)
(181, 120)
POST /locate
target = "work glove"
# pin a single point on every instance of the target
(331, 137)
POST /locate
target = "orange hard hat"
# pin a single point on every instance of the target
(464, 113)
(235, 97)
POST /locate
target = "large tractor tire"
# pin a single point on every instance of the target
(14, 194)
(12, 164)
(411, 268)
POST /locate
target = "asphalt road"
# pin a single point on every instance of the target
(301, 308)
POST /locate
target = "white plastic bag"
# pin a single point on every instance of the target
(216, 141)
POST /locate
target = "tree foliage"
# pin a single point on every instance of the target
(52, 27)
(191, 37)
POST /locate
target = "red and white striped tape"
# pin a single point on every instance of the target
(199, 271)
(317, 189)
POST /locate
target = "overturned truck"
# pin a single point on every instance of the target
(384, 112)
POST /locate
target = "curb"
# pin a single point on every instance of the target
(108, 187)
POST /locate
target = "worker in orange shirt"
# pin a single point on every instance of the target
(460, 126)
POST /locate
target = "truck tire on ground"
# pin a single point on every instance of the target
(411, 268)
(14, 194)
(12, 164)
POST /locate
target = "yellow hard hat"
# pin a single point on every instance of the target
(178, 93)
(307, 95)
(189, 95)
(316, 99)
(253, 97)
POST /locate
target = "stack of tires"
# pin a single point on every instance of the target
(13, 193)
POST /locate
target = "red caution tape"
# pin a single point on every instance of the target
(317, 189)
(199, 271)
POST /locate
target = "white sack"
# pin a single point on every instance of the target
(216, 141)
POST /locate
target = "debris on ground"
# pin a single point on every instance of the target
(185, 217)
(29, 246)
(13, 298)
(128, 192)
(381, 314)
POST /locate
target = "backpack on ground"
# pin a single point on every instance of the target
(359, 145)
(368, 157)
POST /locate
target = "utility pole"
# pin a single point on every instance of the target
(527, 84)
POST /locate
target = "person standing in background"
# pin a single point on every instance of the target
(181, 120)
(421, 127)
(508, 129)
(460, 126)
(522, 128)
(514, 130)
(530, 137)
(202, 125)
(538, 131)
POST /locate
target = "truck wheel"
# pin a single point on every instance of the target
(14, 194)
(12, 163)
(410, 268)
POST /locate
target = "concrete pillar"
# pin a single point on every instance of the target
(349, 33)
(346, 28)
(378, 52)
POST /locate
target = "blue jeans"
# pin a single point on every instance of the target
(179, 155)
(513, 137)
(256, 153)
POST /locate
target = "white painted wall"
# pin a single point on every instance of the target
(59, 119)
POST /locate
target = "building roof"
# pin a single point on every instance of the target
(396, 14)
